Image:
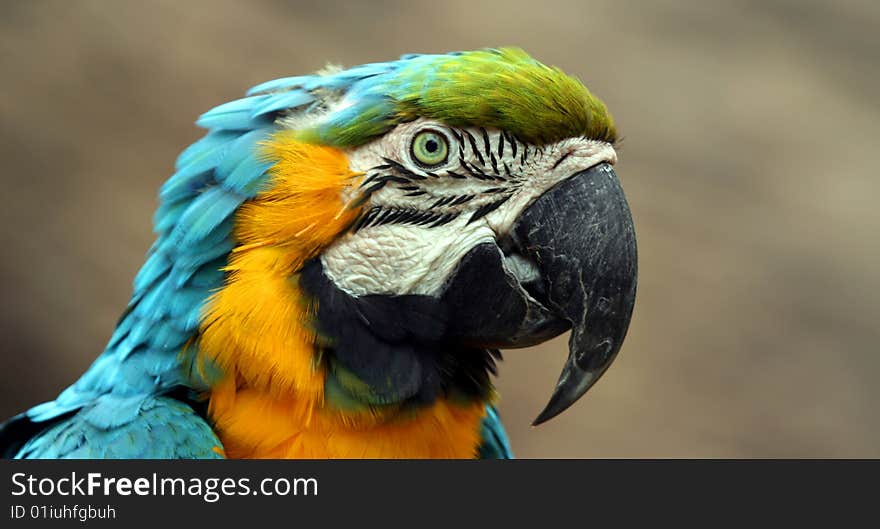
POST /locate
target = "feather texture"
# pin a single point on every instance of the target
(128, 428)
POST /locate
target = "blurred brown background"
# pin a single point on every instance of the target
(750, 160)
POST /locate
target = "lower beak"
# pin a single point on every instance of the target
(580, 235)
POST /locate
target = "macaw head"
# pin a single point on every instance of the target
(422, 213)
(340, 258)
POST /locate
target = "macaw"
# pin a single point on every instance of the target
(340, 258)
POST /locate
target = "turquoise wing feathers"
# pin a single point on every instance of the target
(128, 428)
(494, 444)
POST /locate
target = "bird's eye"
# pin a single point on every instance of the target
(429, 148)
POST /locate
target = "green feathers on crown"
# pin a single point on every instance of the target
(504, 89)
(493, 88)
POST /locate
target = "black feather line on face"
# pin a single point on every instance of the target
(495, 166)
(426, 218)
(391, 216)
(510, 138)
(486, 146)
(462, 200)
(403, 171)
(475, 149)
(369, 180)
(379, 215)
(444, 219)
(487, 208)
(377, 180)
(474, 171)
(373, 188)
(362, 221)
(442, 202)
(385, 178)
(395, 179)
(560, 160)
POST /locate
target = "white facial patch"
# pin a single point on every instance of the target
(420, 220)
(401, 259)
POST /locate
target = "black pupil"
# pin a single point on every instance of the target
(431, 146)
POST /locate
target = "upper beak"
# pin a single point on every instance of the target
(579, 236)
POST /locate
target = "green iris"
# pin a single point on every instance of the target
(429, 148)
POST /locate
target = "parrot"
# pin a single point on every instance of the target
(340, 259)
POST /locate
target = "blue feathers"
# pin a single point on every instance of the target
(127, 428)
(253, 112)
(168, 215)
(288, 100)
(237, 151)
(157, 265)
(494, 443)
(235, 115)
(207, 211)
(285, 83)
(193, 176)
(243, 166)
(204, 146)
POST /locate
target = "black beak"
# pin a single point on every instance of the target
(568, 263)
(580, 235)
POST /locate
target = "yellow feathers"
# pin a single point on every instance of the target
(257, 330)
(301, 211)
(257, 327)
(260, 427)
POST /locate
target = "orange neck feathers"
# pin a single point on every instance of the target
(257, 330)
